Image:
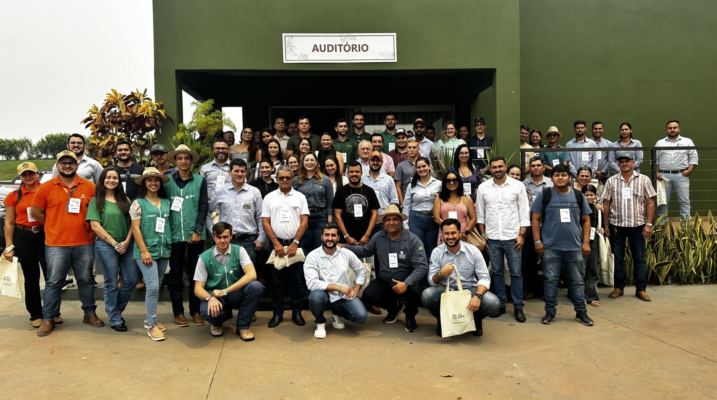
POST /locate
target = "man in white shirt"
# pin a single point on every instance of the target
(87, 167)
(285, 216)
(326, 270)
(503, 219)
(676, 165)
(216, 174)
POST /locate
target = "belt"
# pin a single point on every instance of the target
(673, 171)
(33, 229)
(425, 212)
(243, 236)
(285, 242)
(314, 210)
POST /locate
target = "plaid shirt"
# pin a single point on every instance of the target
(627, 209)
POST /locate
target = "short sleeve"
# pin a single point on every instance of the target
(538, 204)
(304, 206)
(200, 273)
(135, 211)
(93, 214)
(649, 190)
(244, 259)
(607, 190)
(10, 199)
(40, 198)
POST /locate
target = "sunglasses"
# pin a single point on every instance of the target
(453, 180)
(284, 178)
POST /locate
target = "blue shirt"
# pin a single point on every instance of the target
(318, 194)
(558, 235)
(636, 155)
(580, 158)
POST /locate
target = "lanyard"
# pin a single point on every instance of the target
(70, 192)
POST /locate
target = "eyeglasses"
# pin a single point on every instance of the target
(477, 125)
(67, 164)
(284, 178)
(453, 180)
(247, 132)
(221, 148)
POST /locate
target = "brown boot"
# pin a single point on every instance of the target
(198, 320)
(615, 293)
(36, 323)
(373, 310)
(642, 295)
(46, 328)
(181, 321)
(93, 320)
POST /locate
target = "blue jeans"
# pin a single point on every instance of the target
(351, 310)
(312, 237)
(618, 236)
(497, 250)
(431, 299)
(59, 261)
(553, 262)
(245, 299)
(248, 245)
(426, 229)
(153, 276)
(112, 262)
(681, 184)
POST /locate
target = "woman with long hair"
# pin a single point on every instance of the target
(293, 162)
(108, 215)
(535, 141)
(326, 150)
(246, 149)
(151, 227)
(591, 270)
(304, 148)
(319, 197)
(448, 141)
(273, 153)
(454, 203)
(265, 183)
(464, 133)
(626, 140)
(25, 239)
(466, 169)
(333, 172)
(418, 205)
(266, 137)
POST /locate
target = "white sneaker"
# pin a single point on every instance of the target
(69, 283)
(320, 332)
(336, 321)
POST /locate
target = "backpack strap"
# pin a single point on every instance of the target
(579, 197)
(547, 194)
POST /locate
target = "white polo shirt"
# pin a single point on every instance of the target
(285, 211)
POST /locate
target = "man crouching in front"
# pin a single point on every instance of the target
(222, 286)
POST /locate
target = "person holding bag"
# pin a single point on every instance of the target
(25, 239)
(468, 263)
(108, 215)
(591, 269)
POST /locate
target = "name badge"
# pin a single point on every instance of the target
(29, 217)
(343, 155)
(586, 156)
(284, 215)
(556, 162)
(220, 180)
(592, 233)
(391, 146)
(480, 153)
(358, 210)
(159, 225)
(73, 207)
(626, 193)
(453, 214)
(273, 177)
(564, 215)
(393, 260)
(467, 189)
(177, 203)
(124, 186)
(599, 155)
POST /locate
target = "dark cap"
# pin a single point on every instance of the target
(401, 131)
(479, 119)
(158, 147)
(625, 154)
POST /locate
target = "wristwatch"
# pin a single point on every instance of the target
(208, 297)
(480, 296)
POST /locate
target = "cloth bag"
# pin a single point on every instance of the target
(352, 277)
(283, 262)
(456, 319)
(661, 192)
(474, 238)
(606, 259)
(10, 286)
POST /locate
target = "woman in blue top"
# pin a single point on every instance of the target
(465, 167)
(418, 205)
(319, 193)
(626, 140)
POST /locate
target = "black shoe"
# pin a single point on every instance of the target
(275, 321)
(120, 327)
(393, 315)
(298, 319)
(411, 325)
(582, 316)
(498, 313)
(548, 318)
(479, 329)
(439, 331)
(122, 320)
(519, 316)
(94, 281)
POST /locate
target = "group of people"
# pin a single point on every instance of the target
(309, 221)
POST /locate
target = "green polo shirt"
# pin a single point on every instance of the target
(293, 143)
(348, 149)
(388, 138)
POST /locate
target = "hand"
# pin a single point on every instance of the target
(659, 176)
(217, 293)
(463, 236)
(607, 231)
(279, 249)
(9, 255)
(195, 238)
(400, 287)
(598, 174)
(258, 245)
(146, 258)
(539, 249)
(447, 269)
(351, 294)
(474, 304)
(291, 251)
(345, 290)
(351, 241)
(214, 307)
(586, 249)
(601, 231)
(519, 243)
(647, 231)
(364, 240)
(686, 173)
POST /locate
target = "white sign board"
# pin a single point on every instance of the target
(339, 47)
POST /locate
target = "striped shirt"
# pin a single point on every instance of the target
(627, 199)
(675, 160)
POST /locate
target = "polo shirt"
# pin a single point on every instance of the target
(292, 204)
(479, 155)
(398, 157)
(283, 142)
(63, 229)
(22, 208)
(348, 149)
(388, 138)
(293, 143)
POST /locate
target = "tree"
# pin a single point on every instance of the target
(204, 119)
(133, 117)
(12, 149)
(50, 145)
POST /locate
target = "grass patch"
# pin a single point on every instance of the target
(8, 169)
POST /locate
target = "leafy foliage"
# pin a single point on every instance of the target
(12, 149)
(204, 119)
(50, 145)
(133, 117)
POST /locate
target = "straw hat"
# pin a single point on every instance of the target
(183, 149)
(392, 209)
(151, 171)
(554, 129)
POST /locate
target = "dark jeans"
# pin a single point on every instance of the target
(350, 310)
(529, 268)
(30, 252)
(59, 260)
(553, 262)
(498, 249)
(295, 275)
(177, 267)
(426, 229)
(312, 237)
(591, 272)
(113, 263)
(248, 245)
(431, 298)
(246, 300)
(380, 293)
(618, 236)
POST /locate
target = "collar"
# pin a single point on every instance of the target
(291, 192)
(430, 180)
(214, 162)
(243, 187)
(381, 174)
(506, 183)
(585, 140)
(323, 254)
(24, 189)
(176, 176)
(216, 252)
(56, 181)
(667, 138)
(462, 249)
(635, 174)
(530, 180)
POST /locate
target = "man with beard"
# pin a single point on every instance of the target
(399, 154)
(381, 183)
(159, 156)
(359, 134)
(467, 262)
(602, 156)
(280, 135)
(406, 169)
(425, 145)
(355, 208)
(293, 129)
(61, 206)
(304, 133)
(480, 140)
(377, 146)
(216, 174)
(344, 144)
(389, 138)
(326, 270)
(87, 167)
(127, 169)
(580, 158)
(229, 137)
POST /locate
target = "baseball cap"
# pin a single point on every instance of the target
(376, 154)
(158, 147)
(625, 154)
(479, 119)
(401, 131)
(26, 166)
(66, 153)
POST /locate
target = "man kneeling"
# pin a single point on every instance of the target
(468, 263)
(222, 286)
(331, 264)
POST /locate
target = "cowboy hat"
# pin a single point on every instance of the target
(554, 129)
(392, 209)
(183, 149)
(151, 171)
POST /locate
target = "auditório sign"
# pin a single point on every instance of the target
(339, 47)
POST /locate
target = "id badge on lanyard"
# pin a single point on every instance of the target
(73, 206)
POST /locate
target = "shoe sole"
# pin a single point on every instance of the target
(546, 322)
(154, 338)
(246, 340)
(590, 324)
(216, 334)
(412, 330)
(320, 337)
(147, 327)
(94, 326)
(182, 325)
(43, 334)
(400, 311)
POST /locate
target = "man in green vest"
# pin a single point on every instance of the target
(344, 144)
(190, 204)
(225, 280)
(389, 135)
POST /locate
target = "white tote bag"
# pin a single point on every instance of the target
(10, 284)
(606, 259)
(352, 278)
(456, 319)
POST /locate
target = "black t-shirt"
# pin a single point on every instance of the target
(264, 188)
(346, 198)
(127, 177)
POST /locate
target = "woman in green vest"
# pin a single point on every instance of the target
(152, 231)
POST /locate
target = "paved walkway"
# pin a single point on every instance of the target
(636, 350)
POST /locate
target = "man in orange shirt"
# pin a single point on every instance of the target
(61, 206)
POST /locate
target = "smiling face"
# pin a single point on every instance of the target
(463, 132)
(584, 178)
(535, 139)
(401, 141)
(293, 163)
(625, 164)
(451, 182)
(358, 121)
(450, 131)
(590, 196)
(223, 240)
(67, 167)
(238, 173)
(112, 180)
(376, 163)
(377, 143)
(29, 178)
(497, 169)
(183, 161)
(304, 146)
(329, 238)
(330, 167)
(159, 157)
(553, 138)
(221, 151)
(310, 162)
(451, 235)
(422, 169)
(76, 145)
(326, 142)
(123, 152)
(392, 224)
(152, 183)
(364, 150)
(265, 169)
(514, 173)
(355, 174)
(266, 137)
(464, 155)
(597, 131)
(524, 135)
(229, 137)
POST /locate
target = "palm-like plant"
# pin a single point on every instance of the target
(204, 119)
